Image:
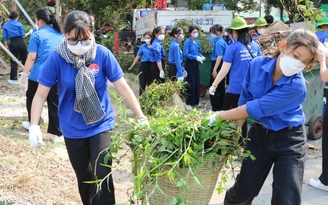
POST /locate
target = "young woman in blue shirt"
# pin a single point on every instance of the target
(219, 49)
(41, 44)
(82, 70)
(237, 59)
(145, 78)
(14, 31)
(192, 53)
(272, 93)
(176, 70)
(157, 55)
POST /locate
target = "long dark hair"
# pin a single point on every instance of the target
(243, 36)
(217, 27)
(13, 14)
(155, 31)
(174, 31)
(80, 21)
(48, 18)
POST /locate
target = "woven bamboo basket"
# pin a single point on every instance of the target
(197, 195)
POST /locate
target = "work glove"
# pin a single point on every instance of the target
(203, 58)
(212, 90)
(199, 59)
(162, 74)
(185, 74)
(35, 136)
(23, 82)
(130, 68)
(212, 118)
(181, 79)
(143, 121)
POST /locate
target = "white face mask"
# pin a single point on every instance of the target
(147, 41)
(290, 66)
(161, 37)
(181, 37)
(260, 31)
(79, 49)
(195, 35)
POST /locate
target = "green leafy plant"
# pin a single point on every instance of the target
(174, 140)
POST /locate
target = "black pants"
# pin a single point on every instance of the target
(172, 72)
(155, 72)
(218, 98)
(324, 175)
(231, 101)
(18, 48)
(145, 78)
(193, 82)
(52, 101)
(86, 156)
(285, 149)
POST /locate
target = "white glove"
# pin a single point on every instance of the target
(130, 68)
(35, 136)
(30, 31)
(185, 74)
(199, 59)
(162, 74)
(143, 121)
(212, 118)
(181, 79)
(212, 90)
(203, 58)
(23, 82)
(105, 36)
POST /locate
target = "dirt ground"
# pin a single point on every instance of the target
(41, 176)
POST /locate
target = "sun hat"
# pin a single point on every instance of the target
(238, 23)
(261, 22)
(322, 21)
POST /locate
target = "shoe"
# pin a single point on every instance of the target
(188, 107)
(14, 82)
(199, 105)
(58, 139)
(26, 125)
(316, 183)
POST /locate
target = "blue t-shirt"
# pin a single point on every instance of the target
(191, 50)
(144, 52)
(239, 56)
(176, 57)
(157, 52)
(104, 68)
(42, 42)
(219, 48)
(322, 35)
(12, 29)
(275, 106)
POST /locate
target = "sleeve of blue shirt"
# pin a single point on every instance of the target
(140, 51)
(21, 31)
(33, 44)
(276, 102)
(187, 52)
(5, 34)
(177, 60)
(157, 53)
(218, 49)
(229, 55)
(245, 95)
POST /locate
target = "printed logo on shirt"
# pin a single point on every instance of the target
(94, 68)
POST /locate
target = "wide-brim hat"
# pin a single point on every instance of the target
(322, 21)
(261, 22)
(238, 23)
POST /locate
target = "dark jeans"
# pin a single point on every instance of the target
(85, 158)
(18, 48)
(52, 102)
(144, 76)
(218, 98)
(193, 82)
(285, 149)
(324, 175)
(155, 72)
(172, 72)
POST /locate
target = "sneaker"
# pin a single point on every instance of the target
(58, 139)
(26, 125)
(199, 105)
(188, 107)
(14, 82)
(316, 183)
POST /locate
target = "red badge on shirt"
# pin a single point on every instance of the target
(94, 68)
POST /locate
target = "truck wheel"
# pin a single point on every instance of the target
(202, 90)
(315, 127)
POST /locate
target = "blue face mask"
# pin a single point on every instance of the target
(213, 35)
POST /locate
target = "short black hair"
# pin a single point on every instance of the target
(269, 19)
(107, 24)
